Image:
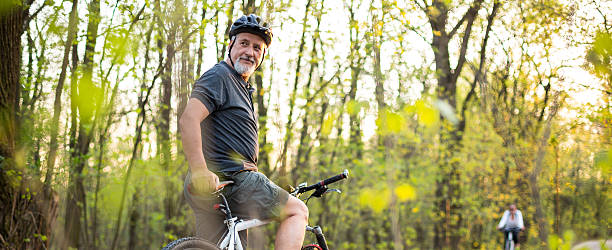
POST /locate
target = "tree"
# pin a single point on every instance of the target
(448, 188)
(22, 193)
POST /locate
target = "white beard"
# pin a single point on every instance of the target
(244, 69)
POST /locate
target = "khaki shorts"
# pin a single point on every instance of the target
(252, 195)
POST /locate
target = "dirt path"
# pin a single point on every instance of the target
(593, 245)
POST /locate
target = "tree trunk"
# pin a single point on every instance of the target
(72, 224)
(102, 143)
(557, 225)
(230, 20)
(356, 64)
(133, 232)
(304, 142)
(87, 111)
(448, 188)
(186, 76)
(283, 172)
(21, 217)
(12, 28)
(57, 104)
(263, 158)
(143, 100)
(163, 128)
(540, 215)
(202, 30)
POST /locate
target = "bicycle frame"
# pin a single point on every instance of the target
(231, 240)
(509, 243)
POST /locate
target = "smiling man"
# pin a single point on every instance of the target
(220, 140)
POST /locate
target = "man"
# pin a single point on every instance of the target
(219, 134)
(512, 219)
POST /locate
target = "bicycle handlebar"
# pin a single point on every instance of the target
(325, 182)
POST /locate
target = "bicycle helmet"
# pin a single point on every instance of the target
(254, 25)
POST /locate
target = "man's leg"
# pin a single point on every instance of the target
(294, 218)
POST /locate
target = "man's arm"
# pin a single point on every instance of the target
(202, 179)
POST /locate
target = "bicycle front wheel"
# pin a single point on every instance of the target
(509, 244)
(190, 243)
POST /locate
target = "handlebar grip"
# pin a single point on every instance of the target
(333, 179)
(327, 181)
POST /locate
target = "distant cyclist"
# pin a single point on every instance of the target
(220, 140)
(512, 219)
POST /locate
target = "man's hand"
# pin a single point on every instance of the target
(203, 182)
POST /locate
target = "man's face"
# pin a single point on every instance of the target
(247, 52)
(512, 208)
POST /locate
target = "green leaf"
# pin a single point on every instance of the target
(377, 200)
(603, 161)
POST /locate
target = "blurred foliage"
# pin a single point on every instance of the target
(394, 180)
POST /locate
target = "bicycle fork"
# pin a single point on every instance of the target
(319, 235)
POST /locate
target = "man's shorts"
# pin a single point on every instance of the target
(252, 195)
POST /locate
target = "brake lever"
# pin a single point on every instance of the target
(324, 190)
(333, 190)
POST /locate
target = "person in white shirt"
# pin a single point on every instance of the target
(510, 222)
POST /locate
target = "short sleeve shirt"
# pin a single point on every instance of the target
(229, 133)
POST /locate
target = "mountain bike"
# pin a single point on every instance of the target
(509, 242)
(231, 239)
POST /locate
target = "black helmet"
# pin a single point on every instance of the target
(254, 25)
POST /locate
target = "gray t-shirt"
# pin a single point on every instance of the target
(229, 133)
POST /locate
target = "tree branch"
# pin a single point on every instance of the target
(466, 36)
(454, 30)
(422, 7)
(482, 60)
(325, 83)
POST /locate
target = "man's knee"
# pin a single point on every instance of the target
(296, 207)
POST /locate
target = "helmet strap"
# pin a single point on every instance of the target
(261, 61)
(229, 51)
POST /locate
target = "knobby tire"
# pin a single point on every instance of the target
(190, 243)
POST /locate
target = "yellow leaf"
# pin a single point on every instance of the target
(405, 192)
(393, 122)
(437, 33)
(428, 116)
(328, 123)
(353, 107)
